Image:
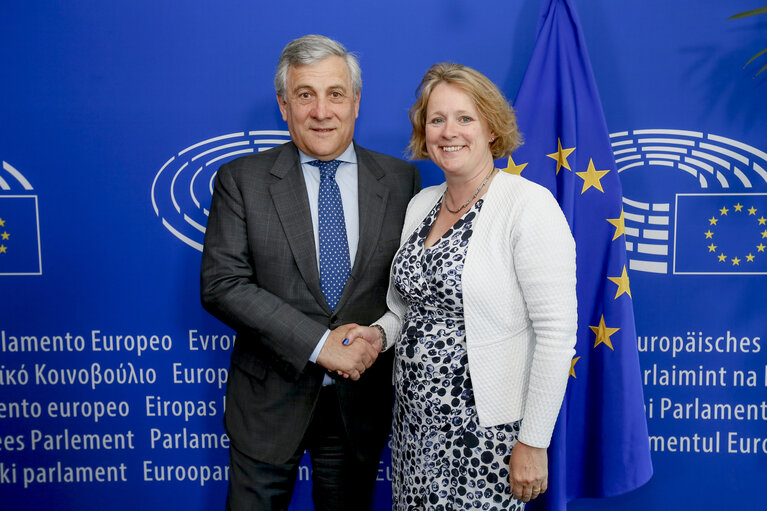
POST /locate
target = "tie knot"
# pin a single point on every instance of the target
(327, 168)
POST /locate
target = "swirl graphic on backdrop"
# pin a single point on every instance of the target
(183, 187)
(723, 178)
(20, 252)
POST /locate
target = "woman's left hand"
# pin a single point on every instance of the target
(528, 471)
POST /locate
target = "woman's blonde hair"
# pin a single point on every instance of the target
(490, 103)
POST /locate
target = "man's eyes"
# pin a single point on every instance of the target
(333, 95)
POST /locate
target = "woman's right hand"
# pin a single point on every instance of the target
(360, 333)
(366, 333)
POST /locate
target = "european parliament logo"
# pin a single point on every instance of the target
(183, 188)
(706, 215)
(20, 252)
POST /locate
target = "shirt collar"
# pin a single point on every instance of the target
(348, 156)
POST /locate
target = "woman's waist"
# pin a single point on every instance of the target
(435, 314)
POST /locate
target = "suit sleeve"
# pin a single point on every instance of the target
(416, 181)
(228, 289)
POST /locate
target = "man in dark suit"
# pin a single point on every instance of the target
(292, 257)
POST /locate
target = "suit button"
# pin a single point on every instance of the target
(334, 319)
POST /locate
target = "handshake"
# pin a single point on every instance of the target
(350, 349)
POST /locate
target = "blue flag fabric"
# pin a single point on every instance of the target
(600, 445)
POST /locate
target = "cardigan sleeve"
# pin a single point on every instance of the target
(417, 209)
(544, 260)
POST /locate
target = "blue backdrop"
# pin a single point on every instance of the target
(115, 115)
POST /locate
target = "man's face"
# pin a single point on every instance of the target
(320, 107)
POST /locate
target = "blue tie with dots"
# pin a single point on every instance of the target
(335, 264)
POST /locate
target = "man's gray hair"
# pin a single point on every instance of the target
(310, 49)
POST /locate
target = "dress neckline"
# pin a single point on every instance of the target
(433, 217)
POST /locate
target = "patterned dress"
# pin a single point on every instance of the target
(442, 459)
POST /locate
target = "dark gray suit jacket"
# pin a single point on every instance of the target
(259, 275)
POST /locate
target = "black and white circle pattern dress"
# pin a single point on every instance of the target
(442, 459)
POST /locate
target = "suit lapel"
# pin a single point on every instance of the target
(372, 197)
(292, 205)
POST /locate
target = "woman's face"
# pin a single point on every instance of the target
(457, 137)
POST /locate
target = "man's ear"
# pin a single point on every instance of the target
(283, 107)
(357, 105)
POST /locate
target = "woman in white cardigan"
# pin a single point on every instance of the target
(482, 310)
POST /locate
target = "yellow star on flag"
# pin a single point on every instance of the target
(713, 220)
(760, 247)
(603, 333)
(5, 235)
(620, 225)
(591, 177)
(735, 261)
(572, 365)
(750, 258)
(752, 210)
(738, 206)
(708, 234)
(3, 249)
(513, 168)
(764, 233)
(2, 222)
(722, 258)
(761, 221)
(561, 156)
(623, 283)
(712, 248)
(724, 211)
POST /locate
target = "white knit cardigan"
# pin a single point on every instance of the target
(519, 304)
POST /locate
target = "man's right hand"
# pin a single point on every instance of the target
(352, 359)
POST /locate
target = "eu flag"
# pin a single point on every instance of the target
(19, 235)
(720, 233)
(600, 446)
